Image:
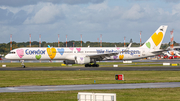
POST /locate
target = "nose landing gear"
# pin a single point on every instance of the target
(22, 64)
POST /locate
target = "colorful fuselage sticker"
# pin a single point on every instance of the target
(38, 57)
(61, 51)
(78, 49)
(51, 52)
(121, 57)
(20, 52)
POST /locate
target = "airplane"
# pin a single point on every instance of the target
(0, 57)
(172, 51)
(87, 55)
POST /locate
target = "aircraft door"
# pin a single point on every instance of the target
(143, 52)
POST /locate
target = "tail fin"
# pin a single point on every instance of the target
(154, 42)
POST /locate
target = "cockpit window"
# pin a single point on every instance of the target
(12, 52)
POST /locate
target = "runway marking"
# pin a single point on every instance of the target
(49, 89)
(12, 88)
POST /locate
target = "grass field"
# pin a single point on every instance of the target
(25, 78)
(102, 64)
(158, 94)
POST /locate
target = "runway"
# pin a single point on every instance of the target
(108, 68)
(54, 61)
(88, 87)
(157, 68)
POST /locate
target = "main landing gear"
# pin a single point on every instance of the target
(22, 64)
(91, 65)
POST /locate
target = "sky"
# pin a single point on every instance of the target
(114, 19)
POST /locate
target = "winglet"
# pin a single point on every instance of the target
(130, 43)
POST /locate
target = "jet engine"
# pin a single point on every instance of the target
(77, 60)
(69, 62)
(82, 60)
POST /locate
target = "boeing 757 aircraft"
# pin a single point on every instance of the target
(87, 55)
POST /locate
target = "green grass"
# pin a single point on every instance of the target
(154, 94)
(102, 64)
(25, 78)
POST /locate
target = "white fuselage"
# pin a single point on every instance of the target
(55, 53)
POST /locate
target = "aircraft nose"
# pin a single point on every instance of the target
(7, 56)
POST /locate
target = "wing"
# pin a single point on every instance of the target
(101, 56)
(159, 52)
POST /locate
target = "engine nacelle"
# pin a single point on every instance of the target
(69, 62)
(82, 60)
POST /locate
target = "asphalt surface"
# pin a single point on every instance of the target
(148, 68)
(140, 60)
(88, 87)
(159, 68)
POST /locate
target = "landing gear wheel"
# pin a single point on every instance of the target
(22, 63)
(93, 65)
(86, 65)
(23, 66)
(97, 65)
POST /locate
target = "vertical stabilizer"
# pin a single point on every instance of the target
(154, 42)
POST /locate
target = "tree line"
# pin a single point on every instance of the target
(5, 47)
